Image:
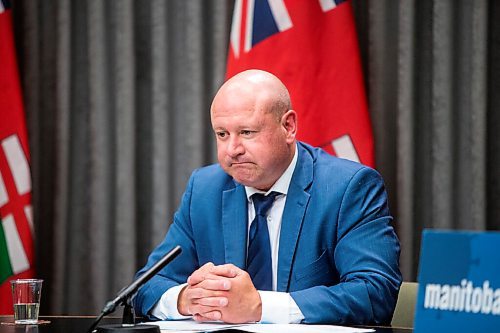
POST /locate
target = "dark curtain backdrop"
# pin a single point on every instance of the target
(117, 97)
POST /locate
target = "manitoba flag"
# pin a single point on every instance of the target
(16, 227)
(311, 46)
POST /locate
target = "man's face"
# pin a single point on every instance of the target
(253, 146)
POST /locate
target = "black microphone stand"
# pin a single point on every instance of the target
(124, 298)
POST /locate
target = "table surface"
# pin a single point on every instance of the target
(80, 324)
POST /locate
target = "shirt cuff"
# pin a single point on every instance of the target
(166, 308)
(279, 308)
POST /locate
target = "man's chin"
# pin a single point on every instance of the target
(253, 182)
(244, 181)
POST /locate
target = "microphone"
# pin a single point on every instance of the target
(124, 298)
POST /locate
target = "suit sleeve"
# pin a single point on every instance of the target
(177, 272)
(366, 256)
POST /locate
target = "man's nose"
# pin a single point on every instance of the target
(235, 147)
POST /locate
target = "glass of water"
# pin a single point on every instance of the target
(26, 298)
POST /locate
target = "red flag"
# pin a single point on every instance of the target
(16, 240)
(312, 47)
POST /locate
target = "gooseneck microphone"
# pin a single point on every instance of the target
(125, 295)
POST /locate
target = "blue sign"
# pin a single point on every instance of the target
(459, 282)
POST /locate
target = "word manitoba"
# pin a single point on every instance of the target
(463, 298)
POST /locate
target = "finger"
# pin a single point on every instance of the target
(213, 301)
(203, 310)
(210, 271)
(196, 279)
(207, 266)
(208, 316)
(227, 270)
(200, 273)
(194, 293)
(215, 273)
(222, 284)
(200, 318)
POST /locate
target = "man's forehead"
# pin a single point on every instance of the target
(239, 119)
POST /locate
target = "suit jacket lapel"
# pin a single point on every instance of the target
(234, 224)
(293, 215)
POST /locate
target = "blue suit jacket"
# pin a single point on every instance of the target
(338, 253)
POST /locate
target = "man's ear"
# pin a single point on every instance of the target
(289, 123)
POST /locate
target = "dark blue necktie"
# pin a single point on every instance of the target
(259, 262)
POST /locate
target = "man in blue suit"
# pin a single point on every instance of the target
(277, 231)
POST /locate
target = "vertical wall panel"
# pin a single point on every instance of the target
(405, 137)
(429, 113)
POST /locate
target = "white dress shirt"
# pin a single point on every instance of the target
(277, 307)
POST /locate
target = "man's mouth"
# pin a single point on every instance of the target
(239, 163)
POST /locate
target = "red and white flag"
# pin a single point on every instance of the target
(312, 47)
(16, 227)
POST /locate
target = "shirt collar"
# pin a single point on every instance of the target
(282, 184)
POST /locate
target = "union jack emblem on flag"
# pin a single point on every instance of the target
(264, 18)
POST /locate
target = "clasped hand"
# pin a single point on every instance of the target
(223, 292)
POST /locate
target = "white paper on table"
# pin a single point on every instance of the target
(191, 326)
(301, 328)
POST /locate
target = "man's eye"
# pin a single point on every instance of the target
(221, 134)
(246, 132)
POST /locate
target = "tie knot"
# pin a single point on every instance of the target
(262, 203)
